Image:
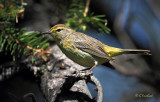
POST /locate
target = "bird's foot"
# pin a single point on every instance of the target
(85, 69)
(81, 74)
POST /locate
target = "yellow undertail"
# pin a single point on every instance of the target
(112, 51)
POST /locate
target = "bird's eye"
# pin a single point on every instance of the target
(58, 30)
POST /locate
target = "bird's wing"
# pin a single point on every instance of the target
(89, 45)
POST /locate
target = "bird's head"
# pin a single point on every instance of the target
(60, 31)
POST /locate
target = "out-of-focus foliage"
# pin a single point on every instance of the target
(76, 17)
(13, 40)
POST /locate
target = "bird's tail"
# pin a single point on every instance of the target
(112, 51)
(136, 51)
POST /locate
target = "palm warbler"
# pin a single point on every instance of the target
(85, 50)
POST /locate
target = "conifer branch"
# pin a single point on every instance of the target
(79, 17)
(16, 41)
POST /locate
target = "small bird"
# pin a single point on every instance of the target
(85, 50)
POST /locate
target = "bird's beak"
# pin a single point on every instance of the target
(47, 32)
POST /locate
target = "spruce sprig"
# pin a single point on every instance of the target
(79, 16)
(17, 41)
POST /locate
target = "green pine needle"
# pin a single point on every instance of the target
(75, 18)
(13, 40)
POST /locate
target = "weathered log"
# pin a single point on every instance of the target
(63, 80)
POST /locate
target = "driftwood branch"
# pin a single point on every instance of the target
(99, 88)
(89, 77)
(63, 80)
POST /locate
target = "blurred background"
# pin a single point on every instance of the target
(119, 23)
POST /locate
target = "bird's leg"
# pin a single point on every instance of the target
(95, 64)
(85, 69)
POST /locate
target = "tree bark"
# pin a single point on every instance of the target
(63, 81)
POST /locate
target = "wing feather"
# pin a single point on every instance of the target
(89, 45)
